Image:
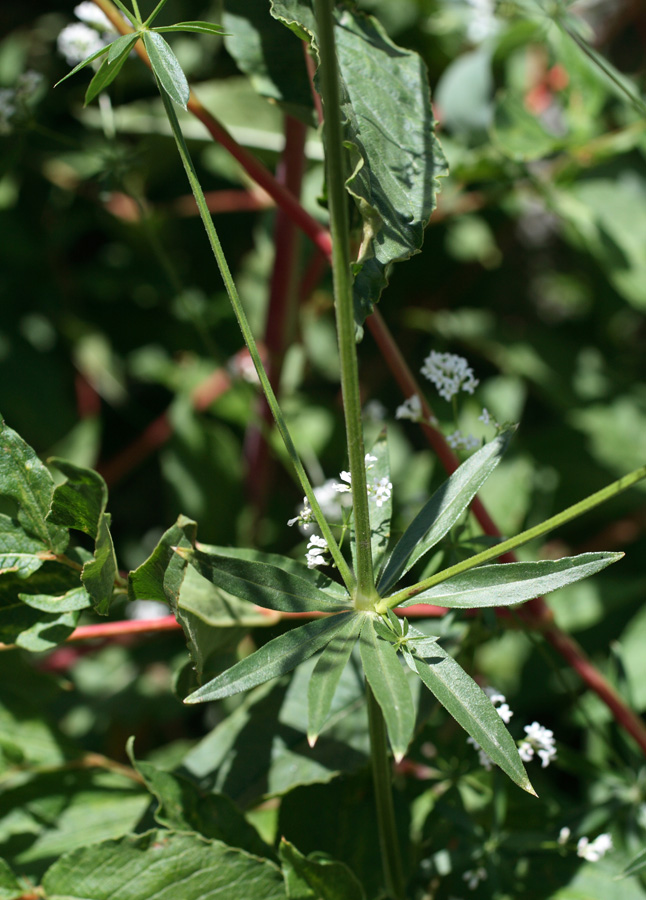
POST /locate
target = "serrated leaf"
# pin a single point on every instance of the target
(387, 680)
(508, 583)
(275, 658)
(25, 480)
(309, 879)
(443, 510)
(151, 865)
(469, 705)
(183, 807)
(326, 676)
(195, 27)
(105, 76)
(263, 584)
(19, 552)
(85, 63)
(394, 156)
(122, 44)
(166, 67)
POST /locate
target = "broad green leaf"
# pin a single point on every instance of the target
(326, 676)
(10, 888)
(386, 677)
(509, 583)
(160, 577)
(85, 63)
(309, 879)
(75, 599)
(635, 866)
(272, 58)
(125, 43)
(393, 156)
(469, 705)
(19, 552)
(25, 480)
(155, 864)
(265, 585)
(380, 516)
(105, 76)
(81, 500)
(48, 631)
(195, 27)
(275, 658)
(166, 67)
(99, 574)
(182, 806)
(443, 510)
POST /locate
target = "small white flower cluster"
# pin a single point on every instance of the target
(459, 441)
(87, 36)
(473, 877)
(592, 851)
(502, 708)
(316, 548)
(410, 409)
(305, 517)
(379, 489)
(539, 741)
(482, 22)
(449, 373)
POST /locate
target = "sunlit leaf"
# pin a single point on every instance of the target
(166, 67)
(327, 674)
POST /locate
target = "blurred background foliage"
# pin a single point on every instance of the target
(534, 268)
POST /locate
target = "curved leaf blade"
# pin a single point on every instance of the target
(326, 676)
(309, 879)
(166, 67)
(263, 584)
(81, 500)
(86, 62)
(19, 552)
(386, 677)
(194, 27)
(443, 510)
(122, 45)
(508, 583)
(274, 659)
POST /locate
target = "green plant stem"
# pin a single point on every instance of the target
(247, 334)
(381, 775)
(342, 278)
(572, 512)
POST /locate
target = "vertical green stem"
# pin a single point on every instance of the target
(388, 841)
(342, 277)
(249, 339)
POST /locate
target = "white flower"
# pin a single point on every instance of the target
(78, 41)
(91, 15)
(459, 441)
(539, 741)
(593, 851)
(564, 835)
(486, 417)
(305, 516)
(473, 877)
(329, 500)
(410, 409)
(380, 490)
(449, 373)
(316, 547)
(346, 477)
(374, 411)
(482, 22)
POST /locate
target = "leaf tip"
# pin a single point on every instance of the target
(312, 739)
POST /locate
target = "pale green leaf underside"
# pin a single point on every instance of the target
(509, 583)
(276, 658)
(386, 677)
(443, 510)
(327, 674)
(166, 67)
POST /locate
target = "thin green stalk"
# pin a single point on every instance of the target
(247, 334)
(342, 278)
(572, 512)
(381, 775)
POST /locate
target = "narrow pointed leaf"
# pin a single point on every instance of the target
(19, 552)
(380, 516)
(317, 879)
(104, 77)
(263, 584)
(85, 63)
(195, 27)
(327, 674)
(166, 67)
(386, 677)
(509, 583)
(274, 659)
(470, 707)
(122, 45)
(443, 510)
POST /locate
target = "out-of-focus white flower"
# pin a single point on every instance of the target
(539, 741)
(346, 477)
(78, 41)
(374, 411)
(594, 850)
(564, 835)
(316, 548)
(331, 503)
(485, 417)
(91, 15)
(482, 21)
(305, 516)
(449, 373)
(473, 877)
(410, 409)
(459, 441)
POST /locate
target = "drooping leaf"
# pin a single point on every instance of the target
(25, 480)
(326, 676)
(195, 27)
(386, 677)
(443, 510)
(275, 658)
(154, 865)
(106, 75)
(509, 583)
(19, 552)
(166, 67)
(309, 879)
(393, 156)
(183, 807)
(468, 704)
(263, 584)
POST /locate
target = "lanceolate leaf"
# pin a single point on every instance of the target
(105, 76)
(381, 515)
(273, 659)
(509, 583)
(469, 706)
(125, 43)
(443, 510)
(309, 879)
(263, 584)
(86, 62)
(166, 67)
(326, 675)
(386, 677)
(195, 27)
(25, 480)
